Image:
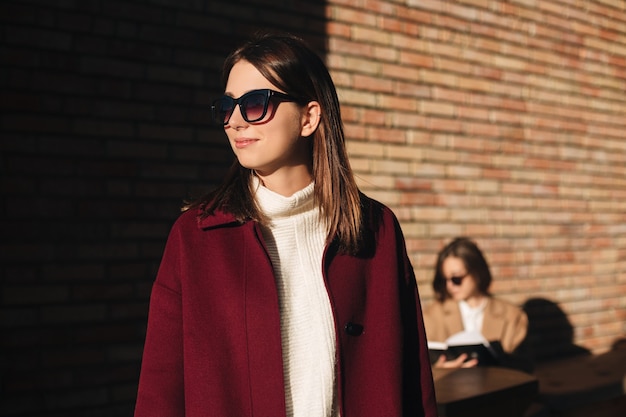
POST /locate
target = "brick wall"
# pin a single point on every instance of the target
(498, 120)
(503, 121)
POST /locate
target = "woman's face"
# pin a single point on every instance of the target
(274, 145)
(453, 267)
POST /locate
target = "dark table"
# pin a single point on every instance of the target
(483, 392)
(585, 385)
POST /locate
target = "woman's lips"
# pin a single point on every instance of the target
(244, 142)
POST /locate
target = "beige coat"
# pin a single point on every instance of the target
(502, 321)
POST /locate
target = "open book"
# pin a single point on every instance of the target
(472, 343)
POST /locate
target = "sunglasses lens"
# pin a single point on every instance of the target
(222, 109)
(254, 106)
(455, 280)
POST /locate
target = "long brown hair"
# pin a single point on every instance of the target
(291, 65)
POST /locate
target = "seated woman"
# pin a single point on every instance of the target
(464, 304)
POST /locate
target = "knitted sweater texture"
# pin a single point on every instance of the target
(295, 240)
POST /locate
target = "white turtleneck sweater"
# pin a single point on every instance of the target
(295, 240)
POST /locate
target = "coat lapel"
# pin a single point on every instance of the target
(493, 321)
(452, 317)
(267, 388)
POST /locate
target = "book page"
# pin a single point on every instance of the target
(465, 338)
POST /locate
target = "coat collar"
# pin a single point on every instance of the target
(494, 321)
(452, 317)
(451, 307)
(371, 213)
(217, 219)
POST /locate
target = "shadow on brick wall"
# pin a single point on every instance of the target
(550, 333)
(104, 128)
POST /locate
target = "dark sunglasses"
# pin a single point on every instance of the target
(253, 105)
(456, 280)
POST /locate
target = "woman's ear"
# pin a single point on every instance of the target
(311, 116)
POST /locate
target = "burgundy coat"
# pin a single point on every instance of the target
(213, 343)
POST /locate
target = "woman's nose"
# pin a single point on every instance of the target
(236, 120)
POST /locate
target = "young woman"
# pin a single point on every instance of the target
(285, 292)
(463, 303)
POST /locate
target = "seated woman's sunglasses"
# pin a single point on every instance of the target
(456, 280)
(253, 105)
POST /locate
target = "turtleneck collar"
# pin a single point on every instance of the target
(275, 205)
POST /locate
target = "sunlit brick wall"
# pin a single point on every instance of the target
(503, 121)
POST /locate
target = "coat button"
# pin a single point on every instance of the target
(354, 329)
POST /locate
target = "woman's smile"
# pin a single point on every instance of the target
(242, 143)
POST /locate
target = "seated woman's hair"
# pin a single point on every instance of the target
(474, 261)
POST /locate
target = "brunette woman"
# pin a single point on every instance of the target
(285, 292)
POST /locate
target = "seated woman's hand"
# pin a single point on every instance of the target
(459, 362)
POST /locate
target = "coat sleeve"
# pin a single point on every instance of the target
(160, 392)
